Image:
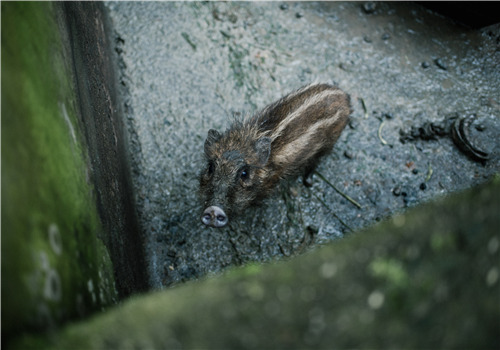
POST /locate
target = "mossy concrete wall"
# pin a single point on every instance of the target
(69, 240)
(425, 280)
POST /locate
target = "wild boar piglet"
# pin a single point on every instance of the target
(285, 139)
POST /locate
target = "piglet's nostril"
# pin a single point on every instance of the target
(206, 218)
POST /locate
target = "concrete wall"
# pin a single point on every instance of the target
(70, 243)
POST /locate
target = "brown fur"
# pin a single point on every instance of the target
(285, 139)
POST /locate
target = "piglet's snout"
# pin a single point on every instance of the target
(214, 216)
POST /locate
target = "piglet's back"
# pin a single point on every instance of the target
(303, 126)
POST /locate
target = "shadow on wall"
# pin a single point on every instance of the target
(101, 122)
(475, 15)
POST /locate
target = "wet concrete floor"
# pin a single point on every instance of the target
(424, 90)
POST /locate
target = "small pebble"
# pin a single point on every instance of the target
(284, 6)
(423, 186)
(367, 39)
(485, 101)
(369, 7)
(415, 171)
(480, 127)
(233, 18)
(440, 63)
(299, 15)
(353, 124)
(426, 64)
(348, 155)
(386, 36)
(396, 191)
(388, 115)
(410, 200)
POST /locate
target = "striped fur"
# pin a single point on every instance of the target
(285, 139)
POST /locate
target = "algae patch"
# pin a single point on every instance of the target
(50, 226)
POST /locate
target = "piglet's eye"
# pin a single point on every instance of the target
(244, 174)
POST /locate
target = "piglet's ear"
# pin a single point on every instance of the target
(212, 137)
(263, 150)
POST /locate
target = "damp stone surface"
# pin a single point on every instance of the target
(190, 67)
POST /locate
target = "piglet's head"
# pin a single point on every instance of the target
(235, 167)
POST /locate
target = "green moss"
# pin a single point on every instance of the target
(391, 270)
(50, 226)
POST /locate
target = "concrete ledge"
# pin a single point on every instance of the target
(428, 279)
